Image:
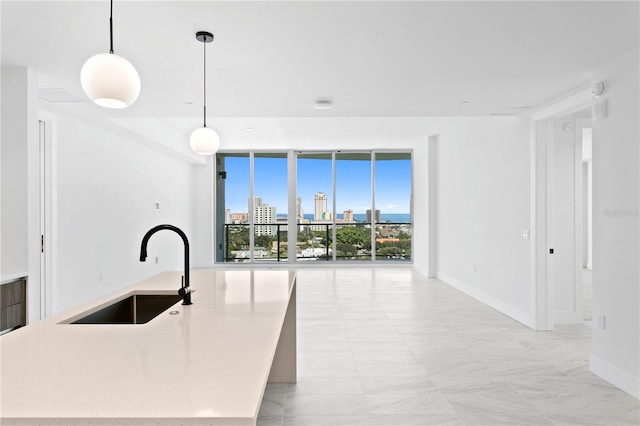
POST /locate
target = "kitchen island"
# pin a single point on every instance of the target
(202, 364)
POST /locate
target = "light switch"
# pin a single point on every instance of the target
(525, 234)
(157, 206)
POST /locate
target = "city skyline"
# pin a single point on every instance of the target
(353, 184)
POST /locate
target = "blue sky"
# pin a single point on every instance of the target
(353, 184)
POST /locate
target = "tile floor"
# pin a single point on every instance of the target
(388, 346)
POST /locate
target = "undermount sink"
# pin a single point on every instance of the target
(135, 309)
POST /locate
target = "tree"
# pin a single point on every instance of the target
(355, 236)
(263, 241)
(346, 250)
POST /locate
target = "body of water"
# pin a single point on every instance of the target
(384, 217)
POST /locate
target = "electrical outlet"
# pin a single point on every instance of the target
(156, 259)
(474, 269)
(100, 277)
(525, 234)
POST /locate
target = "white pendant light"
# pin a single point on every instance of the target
(110, 80)
(204, 140)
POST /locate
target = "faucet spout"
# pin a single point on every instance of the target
(185, 290)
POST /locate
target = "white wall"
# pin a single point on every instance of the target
(616, 248)
(19, 135)
(203, 217)
(482, 207)
(20, 197)
(421, 242)
(108, 187)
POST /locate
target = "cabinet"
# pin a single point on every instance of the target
(13, 304)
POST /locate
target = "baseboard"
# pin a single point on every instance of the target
(497, 304)
(567, 317)
(615, 376)
(423, 269)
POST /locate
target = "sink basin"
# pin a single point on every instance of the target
(135, 309)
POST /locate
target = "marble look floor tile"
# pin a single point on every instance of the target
(374, 336)
(487, 399)
(273, 403)
(425, 402)
(394, 357)
(594, 418)
(327, 364)
(491, 369)
(503, 419)
(269, 420)
(326, 420)
(385, 369)
(380, 347)
(460, 373)
(314, 346)
(432, 419)
(316, 386)
(300, 404)
(397, 385)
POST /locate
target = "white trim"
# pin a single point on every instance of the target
(292, 211)
(497, 304)
(612, 374)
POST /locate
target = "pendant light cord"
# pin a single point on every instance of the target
(111, 28)
(204, 44)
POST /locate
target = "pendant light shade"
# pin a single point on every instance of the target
(204, 140)
(110, 80)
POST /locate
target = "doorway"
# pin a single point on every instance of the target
(567, 232)
(47, 207)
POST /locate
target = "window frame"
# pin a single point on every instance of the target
(292, 225)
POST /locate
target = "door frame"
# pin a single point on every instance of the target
(541, 287)
(47, 211)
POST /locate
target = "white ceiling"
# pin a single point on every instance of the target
(271, 60)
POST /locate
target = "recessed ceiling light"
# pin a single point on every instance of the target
(465, 102)
(188, 103)
(249, 129)
(323, 104)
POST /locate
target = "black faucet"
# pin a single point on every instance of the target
(184, 291)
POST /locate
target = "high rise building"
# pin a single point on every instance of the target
(347, 216)
(369, 216)
(264, 213)
(257, 201)
(227, 216)
(299, 213)
(320, 204)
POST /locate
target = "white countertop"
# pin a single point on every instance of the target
(207, 365)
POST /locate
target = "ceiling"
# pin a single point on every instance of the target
(270, 61)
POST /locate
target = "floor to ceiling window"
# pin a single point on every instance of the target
(269, 209)
(314, 184)
(353, 201)
(349, 206)
(393, 206)
(234, 195)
